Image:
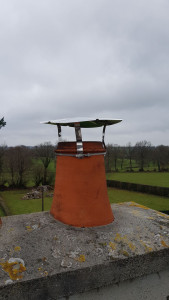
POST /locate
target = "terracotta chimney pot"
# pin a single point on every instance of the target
(80, 195)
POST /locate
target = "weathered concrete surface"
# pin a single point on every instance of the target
(61, 260)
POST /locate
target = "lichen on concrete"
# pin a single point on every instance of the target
(14, 267)
(65, 259)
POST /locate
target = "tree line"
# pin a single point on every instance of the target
(20, 165)
(138, 157)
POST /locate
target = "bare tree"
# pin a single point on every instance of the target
(45, 152)
(142, 150)
(2, 123)
(19, 162)
(3, 149)
(122, 154)
(116, 155)
(37, 174)
(113, 153)
(11, 162)
(162, 157)
(108, 158)
(130, 155)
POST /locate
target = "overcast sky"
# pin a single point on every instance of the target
(86, 58)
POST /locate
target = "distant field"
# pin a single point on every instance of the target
(151, 201)
(149, 178)
(123, 167)
(17, 206)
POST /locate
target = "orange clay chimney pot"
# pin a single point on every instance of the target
(80, 195)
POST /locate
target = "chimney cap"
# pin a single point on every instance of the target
(83, 122)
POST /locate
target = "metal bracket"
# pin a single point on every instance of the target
(81, 155)
(103, 135)
(59, 132)
(79, 143)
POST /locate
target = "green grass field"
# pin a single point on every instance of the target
(151, 201)
(149, 178)
(16, 205)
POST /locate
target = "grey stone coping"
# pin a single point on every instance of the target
(62, 260)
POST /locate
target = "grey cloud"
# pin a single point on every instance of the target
(84, 58)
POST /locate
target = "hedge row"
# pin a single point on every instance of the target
(148, 189)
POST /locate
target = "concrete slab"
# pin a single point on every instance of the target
(41, 258)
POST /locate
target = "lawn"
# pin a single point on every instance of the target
(148, 178)
(17, 205)
(151, 201)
